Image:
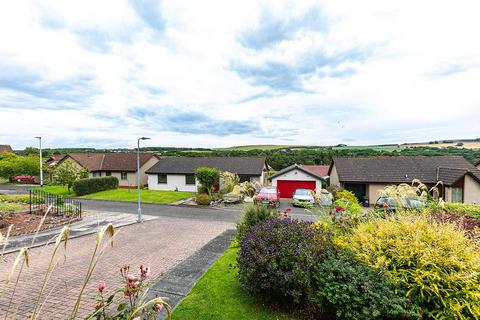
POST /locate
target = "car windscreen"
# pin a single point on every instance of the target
(268, 191)
(302, 192)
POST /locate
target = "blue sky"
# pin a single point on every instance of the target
(217, 73)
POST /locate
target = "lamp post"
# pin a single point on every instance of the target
(41, 164)
(139, 212)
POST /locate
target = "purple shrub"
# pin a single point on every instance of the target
(276, 259)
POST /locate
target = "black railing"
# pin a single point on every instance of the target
(62, 206)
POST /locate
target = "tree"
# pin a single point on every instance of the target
(67, 173)
(12, 165)
(207, 178)
(30, 151)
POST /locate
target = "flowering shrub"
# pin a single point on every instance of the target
(436, 264)
(350, 290)
(276, 257)
(133, 303)
(347, 195)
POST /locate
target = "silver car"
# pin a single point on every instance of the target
(304, 195)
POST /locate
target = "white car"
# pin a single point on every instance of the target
(304, 195)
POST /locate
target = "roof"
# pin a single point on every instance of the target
(113, 161)
(247, 166)
(399, 169)
(54, 159)
(477, 164)
(301, 168)
(5, 148)
(321, 170)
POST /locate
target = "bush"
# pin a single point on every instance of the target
(15, 198)
(276, 257)
(345, 194)
(437, 265)
(471, 210)
(91, 185)
(203, 199)
(207, 177)
(252, 214)
(350, 290)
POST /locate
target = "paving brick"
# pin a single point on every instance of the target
(160, 243)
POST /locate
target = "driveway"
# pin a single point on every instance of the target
(16, 188)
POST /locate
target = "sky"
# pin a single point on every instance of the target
(227, 73)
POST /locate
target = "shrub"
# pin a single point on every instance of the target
(15, 198)
(91, 185)
(471, 210)
(437, 265)
(203, 199)
(345, 194)
(350, 290)
(207, 177)
(252, 214)
(275, 259)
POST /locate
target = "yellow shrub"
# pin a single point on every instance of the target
(435, 263)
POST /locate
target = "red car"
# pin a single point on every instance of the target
(26, 179)
(268, 196)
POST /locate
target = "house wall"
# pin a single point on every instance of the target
(448, 194)
(334, 180)
(373, 191)
(174, 181)
(471, 190)
(296, 175)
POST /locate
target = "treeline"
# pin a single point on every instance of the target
(281, 158)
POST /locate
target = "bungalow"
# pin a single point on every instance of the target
(299, 177)
(122, 165)
(178, 173)
(366, 177)
(5, 148)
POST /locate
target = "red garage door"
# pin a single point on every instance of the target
(288, 187)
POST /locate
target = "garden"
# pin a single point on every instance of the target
(421, 263)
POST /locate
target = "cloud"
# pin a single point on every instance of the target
(272, 29)
(150, 12)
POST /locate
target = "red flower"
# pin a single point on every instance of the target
(157, 307)
(339, 209)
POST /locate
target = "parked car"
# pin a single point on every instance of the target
(303, 196)
(268, 196)
(392, 204)
(25, 179)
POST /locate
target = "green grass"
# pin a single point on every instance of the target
(218, 295)
(376, 148)
(148, 196)
(260, 147)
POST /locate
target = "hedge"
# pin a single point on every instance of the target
(92, 185)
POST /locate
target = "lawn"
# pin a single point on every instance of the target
(5, 206)
(148, 196)
(218, 295)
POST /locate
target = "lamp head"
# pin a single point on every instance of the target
(144, 138)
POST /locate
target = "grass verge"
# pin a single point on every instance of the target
(148, 196)
(218, 295)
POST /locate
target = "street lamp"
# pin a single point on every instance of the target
(139, 214)
(41, 164)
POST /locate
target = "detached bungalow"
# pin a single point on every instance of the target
(122, 165)
(5, 148)
(299, 177)
(178, 173)
(367, 176)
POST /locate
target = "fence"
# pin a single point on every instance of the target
(67, 207)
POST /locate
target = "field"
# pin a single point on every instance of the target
(466, 145)
(260, 147)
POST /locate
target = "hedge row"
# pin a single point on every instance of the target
(92, 185)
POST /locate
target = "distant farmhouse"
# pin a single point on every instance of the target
(366, 176)
(5, 148)
(178, 173)
(122, 165)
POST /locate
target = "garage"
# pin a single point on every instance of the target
(288, 187)
(298, 177)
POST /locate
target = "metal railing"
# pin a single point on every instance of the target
(61, 206)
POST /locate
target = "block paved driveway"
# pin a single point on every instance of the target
(161, 243)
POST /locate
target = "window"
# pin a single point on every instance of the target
(123, 175)
(457, 194)
(96, 174)
(190, 179)
(108, 173)
(162, 178)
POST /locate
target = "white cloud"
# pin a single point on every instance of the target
(299, 72)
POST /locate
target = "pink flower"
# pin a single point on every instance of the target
(144, 272)
(137, 318)
(158, 307)
(131, 278)
(101, 286)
